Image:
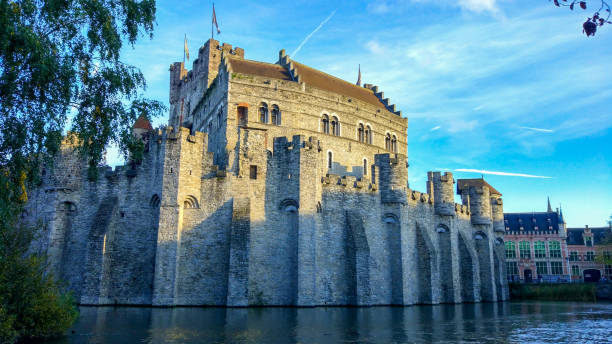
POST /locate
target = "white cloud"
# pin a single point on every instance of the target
(479, 6)
(437, 127)
(498, 173)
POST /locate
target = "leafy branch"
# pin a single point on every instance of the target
(589, 27)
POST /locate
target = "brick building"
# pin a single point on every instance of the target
(585, 246)
(536, 246)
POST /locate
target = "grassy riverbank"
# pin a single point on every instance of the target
(554, 292)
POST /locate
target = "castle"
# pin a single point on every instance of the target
(273, 184)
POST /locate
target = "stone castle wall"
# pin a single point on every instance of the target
(236, 214)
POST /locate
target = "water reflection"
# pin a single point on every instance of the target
(542, 322)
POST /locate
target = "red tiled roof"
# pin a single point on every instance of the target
(476, 182)
(268, 70)
(310, 76)
(330, 83)
(142, 123)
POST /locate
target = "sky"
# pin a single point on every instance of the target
(511, 90)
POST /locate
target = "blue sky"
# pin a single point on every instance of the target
(490, 85)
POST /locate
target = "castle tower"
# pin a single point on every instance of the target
(441, 187)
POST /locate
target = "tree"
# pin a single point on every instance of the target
(589, 27)
(59, 61)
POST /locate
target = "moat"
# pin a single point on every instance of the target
(524, 322)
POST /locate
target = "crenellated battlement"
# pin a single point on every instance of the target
(386, 101)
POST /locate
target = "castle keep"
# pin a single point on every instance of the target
(273, 184)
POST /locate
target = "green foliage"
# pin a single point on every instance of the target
(554, 292)
(59, 60)
(32, 304)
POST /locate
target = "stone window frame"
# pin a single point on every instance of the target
(588, 241)
(335, 129)
(275, 115)
(511, 270)
(387, 141)
(365, 166)
(263, 112)
(576, 270)
(191, 202)
(539, 249)
(330, 159)
(361, 132)
(525, 253)
(368, 133)
(155, 201)
(541, 268)
(554, 249)
(324, 123)
(589, 256)
(573, 256)
(510, 250)
(394, 143)
(556, 268)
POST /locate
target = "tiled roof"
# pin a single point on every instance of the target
(143, 123)
(529, 221)
(268, 70)
(309, 75)
(575, 236)
(330, 83)
(477, 182)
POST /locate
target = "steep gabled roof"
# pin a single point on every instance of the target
(310, 76)
(268, 70)
(143, 123)
(529, 221)
(476, 182)
(575, 235)
(330, 83)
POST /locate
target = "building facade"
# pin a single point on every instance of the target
(587, 246)
(273, 184)
(536, 246)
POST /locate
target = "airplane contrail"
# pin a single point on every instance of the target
(538, 129)
(501, 173)
(312, 33)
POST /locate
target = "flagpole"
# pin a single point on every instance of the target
(184, 52)
(212, 31)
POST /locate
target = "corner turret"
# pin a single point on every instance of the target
(440, 187)
(477, 193)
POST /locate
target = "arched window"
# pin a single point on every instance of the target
(368, 134)
(361, 133)
(243, 115)
(190, 203)
(155, 201)
(325, 124)
(388, 142)
(394, 144)
(220, 117)
(335, 126)
(276, 115)
(263, 113)
(330, 159)
(365, 167)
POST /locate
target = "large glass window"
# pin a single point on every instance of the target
(510, 249)
(539, 249)
(554, 248)
(590, 256)
(542, 268)
(556, 268)
(525, 249)
(575, 270)
(573, 257)
(511, 270)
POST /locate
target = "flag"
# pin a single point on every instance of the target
(186, 52)
(359, 77)
(214, 20)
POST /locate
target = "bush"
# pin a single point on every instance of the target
(554, 292)
(33, 305)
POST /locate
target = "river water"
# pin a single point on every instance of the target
(509, 322)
